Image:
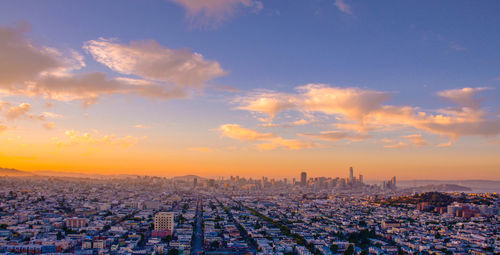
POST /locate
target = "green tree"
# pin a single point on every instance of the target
(173, 252)
(350, 250)
(167, 239)
(334, 248)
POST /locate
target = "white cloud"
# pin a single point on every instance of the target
(33, 70)
(150, 60)
(343, 6)
(216, 11)
(90, 86)
(464, 97)
(21, 60)
(456, 46)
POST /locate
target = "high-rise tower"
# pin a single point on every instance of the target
(351, 174)
(303, 178)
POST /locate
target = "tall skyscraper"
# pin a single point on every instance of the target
(303, 178)
(164, 221)
(360, 179)
(351, 174)
(393, 181)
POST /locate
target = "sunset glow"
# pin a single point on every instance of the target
(251, 88)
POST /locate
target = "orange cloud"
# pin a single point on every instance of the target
(353, 103)
(272, 141)
(417, 140)
(267, 102)
(74, 138)
(396, 145)
(200, 149)
(337, 135)
(14, 112)
(362, 110)
(49, 125)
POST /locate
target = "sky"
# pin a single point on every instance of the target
(252, 88)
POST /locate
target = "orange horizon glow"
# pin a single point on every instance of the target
(188, 98)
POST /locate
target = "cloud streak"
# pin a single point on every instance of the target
(337, 136)
(160, 73)
(13, 112)
(75, 138)
(343, 6)
(150, 60)
(213, 12)
(21, 60)
(363, 110)
(269, 141)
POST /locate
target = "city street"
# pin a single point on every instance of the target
(198, 232)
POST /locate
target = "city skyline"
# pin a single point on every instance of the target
(251, 88)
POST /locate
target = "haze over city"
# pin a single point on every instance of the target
(251, 88)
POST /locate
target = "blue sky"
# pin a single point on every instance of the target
(402, 46)
(410, 51)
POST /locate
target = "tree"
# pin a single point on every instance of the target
(214, 245)
(400, 251)
(334, 248)
(350, 250)
(167, 239)
(362, 223)
(173, 252)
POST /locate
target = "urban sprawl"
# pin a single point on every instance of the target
(194, 215)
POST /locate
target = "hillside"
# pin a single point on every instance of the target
(441, 188)
(13, 172)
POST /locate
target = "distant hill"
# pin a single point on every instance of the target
(475, 185)
(83, 175)
(13, 172)
(66, 174)
(441, 188)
